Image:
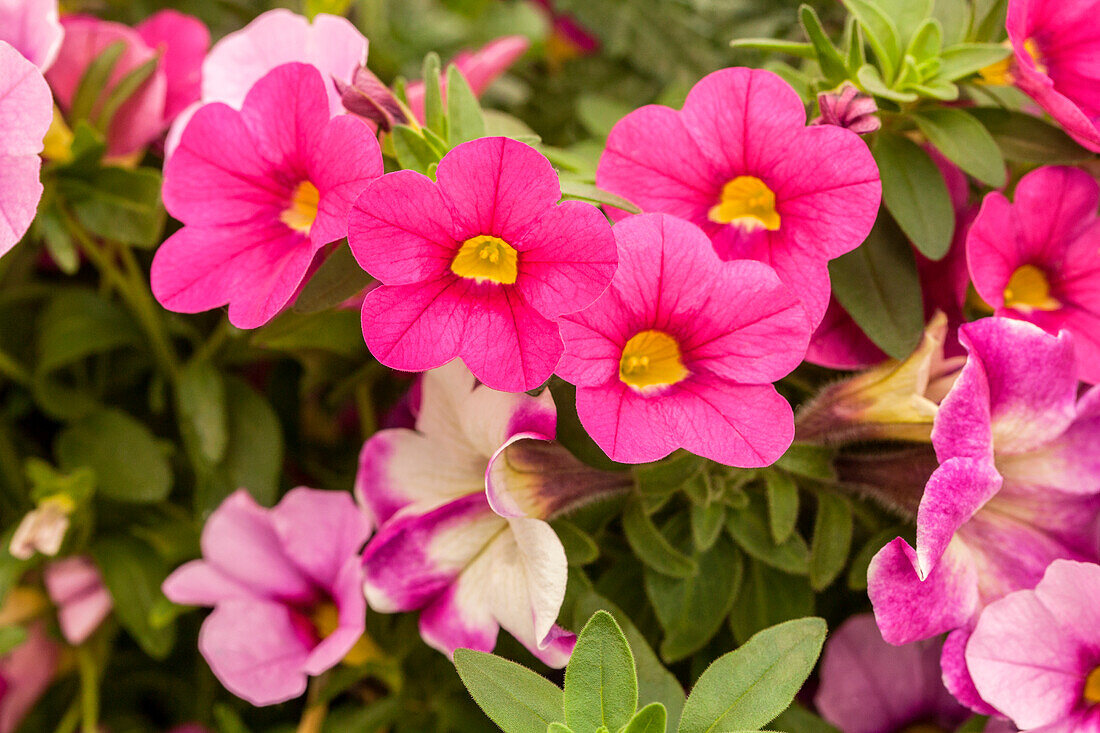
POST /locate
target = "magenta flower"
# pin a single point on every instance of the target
(681, 351)
(181, 41)
(32, 27)
(478, 264)
(76, 588)
(259, 192)
(1036, 259)
(462, 503)
(26, 110)
(869, 686)
(849, 108)
(26, 672)
(285, 585)
(242, 58)
(481, 68)
(1035, 654)
(1055, 44)
(1017, 487)
(739, 162)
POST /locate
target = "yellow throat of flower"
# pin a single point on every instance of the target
(1092, 687)
(302, 211)
(326, 619)
(651, 359)
(1029, 290)
(747, 202)
(484, 258)
(1000, 73)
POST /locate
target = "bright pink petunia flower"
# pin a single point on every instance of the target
(1035, 654)
(481, 68)
(179, 40)
(33, 28)
(260, 192)
(478, 264)
(739, 162)
(1055, 44)
(462, 502)
(26, 672)
(1017, 487)
(286, 588)
(681, 351)
(1038, 258)
(76, 588)
(26, 110)
(280, 36)
(869, 686)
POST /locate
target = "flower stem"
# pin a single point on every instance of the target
(89, 690)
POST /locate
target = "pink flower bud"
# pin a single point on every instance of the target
(849, 108)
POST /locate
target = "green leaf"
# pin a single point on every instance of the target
(915, 193)
(907, 15)
(783, 502)
(963, 59)
(653, 718)
(654, 681)
(797, 719)
(580, 548)
(413, 150)
(828, 55)
(94, 81)
(877, 284)
(927, 41)
(769, 597)
(881, 33)
(871, 80)
(691, 610)
(59, 242)
(750, 530)
(651, 547)
(832, 540)
(750, 686)
(572, 434)
(434, 111)
(335, 331)
(774, 45)
(811, 461)
(514, 697)
(227, 719)
(599, 113)
(989, 20)
(11, 637)
(558, 728)
(464, 118)
(601, 685)
(581, 191)
(1028, 139)
(501, 124)
(133, 574)
(313, 8)
(80, 323)
(122, 91)
(337, 279)
(707, 521)
(118, 203)
(201, 403)
(965, 142)
(857, 573)
(128, 462)
(944, 91)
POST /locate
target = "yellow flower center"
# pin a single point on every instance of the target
(302, 211)
(326, 619)
(58, 143)
(923, 728)
(747, 202)
(486, 258)
(1092, 687)
(1028, 290)
(651, 359)
(1000, 73)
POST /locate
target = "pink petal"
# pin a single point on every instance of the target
(415, 327)
(838, 343)
(1070, 462)
(76, 588)
(487, 63)
(29, 670)
(182, 40)
(351, 606)
(319, 531)
(956, 675)
(284, 113)
(341, 165)
(32, 27)
(26, 109)
(449, 623)
(958, 489)
(198, 583)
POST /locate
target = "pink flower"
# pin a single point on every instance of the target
(1037, 259)
(32, 27)
(868, 686)
(481, 68)
(1017, 487)
(461, 502)
(1035, 654)
(739, 162)
(681, 351)
(180, 40)
(478, 264)
(76, 588)
(849, 108)
(25, 674)
(259, 192)
(285, 585)
(1055, 44)
(26, 109)
(242, 58)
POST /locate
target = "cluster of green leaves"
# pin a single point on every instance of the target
(739, 692)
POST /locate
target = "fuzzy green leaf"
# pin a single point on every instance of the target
(601, 685)
(514, 697)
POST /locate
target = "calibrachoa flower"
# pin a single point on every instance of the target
(462, 502)
(32, 27)
(1017, 487)
(25, 674)
(681, 351)
(849, 108)
(481, 68)
(478, 263)
(1055, 44)
(739, 161)
(260, 192)
(1038, 258)
(76, 588)
(285, 585)
(1035, 654)
(242, 58)
(26, 109)
(869, 686)
(179, 40)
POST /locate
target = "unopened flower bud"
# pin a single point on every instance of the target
(368, 97)
(849, 108)
(43, 529)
